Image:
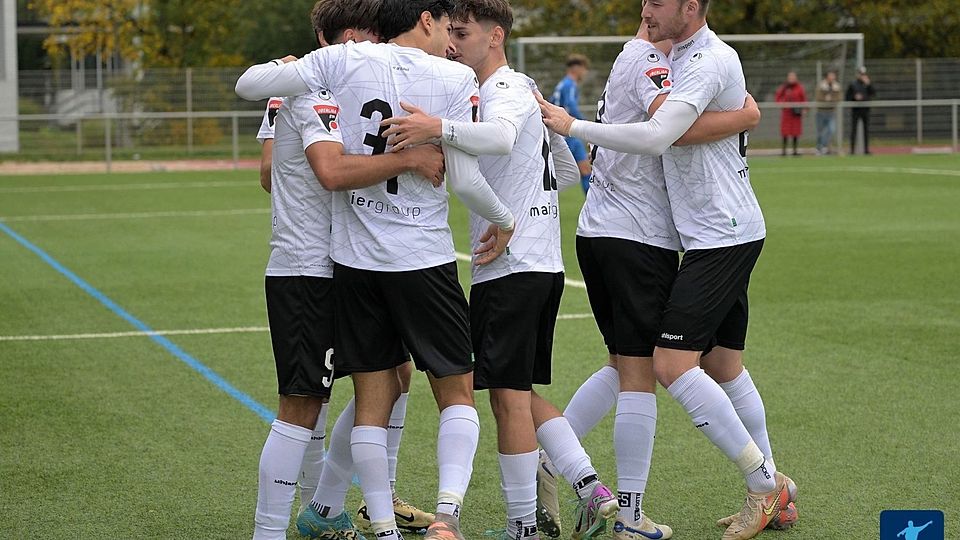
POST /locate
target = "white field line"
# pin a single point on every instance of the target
(877, 170)
(567, 281)
(113, 335)
(195, 332)
(136, 215)
(123, 187)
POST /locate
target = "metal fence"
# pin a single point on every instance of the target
(194, 113)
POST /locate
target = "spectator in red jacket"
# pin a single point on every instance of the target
(791, 118)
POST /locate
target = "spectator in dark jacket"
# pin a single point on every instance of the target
(860, 90)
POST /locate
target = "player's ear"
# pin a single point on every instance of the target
(497, 37)
(426, 19)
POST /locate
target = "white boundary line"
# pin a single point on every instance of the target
(195, 332)
(136, 215)
(567, 281)
(123, 187)
(113, 335)
(852, 168)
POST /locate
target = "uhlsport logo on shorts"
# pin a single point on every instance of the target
(911, 525)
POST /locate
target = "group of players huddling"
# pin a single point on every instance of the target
(405, 99)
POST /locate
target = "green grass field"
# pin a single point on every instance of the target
(855, 333)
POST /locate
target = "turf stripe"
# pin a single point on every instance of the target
(247, 401)
(136, 215)
(123, 187)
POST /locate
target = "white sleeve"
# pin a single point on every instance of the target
(653, 137)
(271, 79)
(269, 119)
(493, 138)
(468, 184)
(564, 164)
(700, 84)
(317, 120)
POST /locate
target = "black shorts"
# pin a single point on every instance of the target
(708, 303)
(377, 313)
(628, 284)
(512, 320)
(300, 310)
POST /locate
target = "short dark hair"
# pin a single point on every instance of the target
(399, 16)
(495, 11)
(576, 59)
(333, 17)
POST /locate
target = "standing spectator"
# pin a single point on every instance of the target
(791, 118)
(861, 90)
(829, 92)
(567, 95)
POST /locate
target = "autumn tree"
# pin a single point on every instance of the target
(892, 28)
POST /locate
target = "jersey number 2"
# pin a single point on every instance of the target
(378, 142)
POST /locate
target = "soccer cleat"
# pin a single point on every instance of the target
(409, 517)
(759, 509)
(548, 499)
(312, 525)
(444, 528)
(645, 530)
(788, 514)
(593, 512)
(787, 518)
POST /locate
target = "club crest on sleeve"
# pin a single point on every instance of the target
(328, 115)
(660, 76)
(273, 107)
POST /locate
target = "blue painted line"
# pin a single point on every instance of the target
(263, 412)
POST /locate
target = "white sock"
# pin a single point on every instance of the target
(592, 401)
(518, 480)
(457, 441)
(713, 414)
(369, 448)
(279, 468)
(337, 474)
(313, 458)
(749, 406)
(394, 434)
(633, 432)
(567, 454)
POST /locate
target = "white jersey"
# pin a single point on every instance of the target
(524, 180)
(709, 184)
(628, 196)
(400, 224)
(300, 245)
(268, 124)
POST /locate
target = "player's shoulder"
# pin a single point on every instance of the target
(508, 80)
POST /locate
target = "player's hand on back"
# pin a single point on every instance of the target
(417, 128)
(289, 58)
(426, 160)
(492, 244)
(556, 118)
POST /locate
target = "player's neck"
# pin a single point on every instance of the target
(494, 61)
(691, 29)
(410, 39)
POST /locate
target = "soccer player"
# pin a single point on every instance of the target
(627, 246)
(721, 229)
(514, 301)
(300, 305)
(567, 95)
(395, 273)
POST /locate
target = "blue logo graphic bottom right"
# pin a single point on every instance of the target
(911, 525)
